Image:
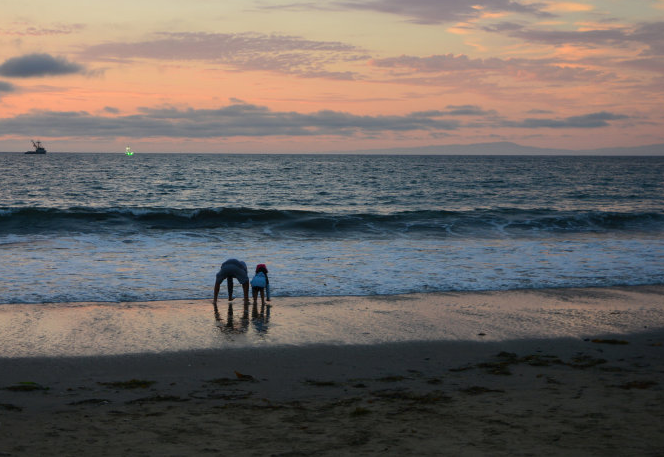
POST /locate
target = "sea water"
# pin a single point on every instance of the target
(112, 228)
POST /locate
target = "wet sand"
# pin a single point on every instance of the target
(559, 372)
(89, 329)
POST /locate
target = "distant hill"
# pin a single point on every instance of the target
(507, 148)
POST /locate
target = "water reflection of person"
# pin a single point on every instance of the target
(260, 320)
(231, 327)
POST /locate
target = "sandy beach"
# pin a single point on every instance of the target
(541, 372)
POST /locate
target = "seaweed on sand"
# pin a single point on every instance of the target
(131, 384)
(25, 386)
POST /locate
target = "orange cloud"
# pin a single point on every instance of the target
(568, 7)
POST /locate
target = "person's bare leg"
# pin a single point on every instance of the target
(230, 288)
(245, 289)
(216, 293)
(262, 290)
(254, 292)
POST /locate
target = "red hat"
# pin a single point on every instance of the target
(261, 266)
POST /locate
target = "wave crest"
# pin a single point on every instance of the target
(460, 223)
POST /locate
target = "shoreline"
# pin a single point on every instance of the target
(625, 287)
(594, 389)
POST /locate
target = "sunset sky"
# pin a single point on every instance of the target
(310, 76)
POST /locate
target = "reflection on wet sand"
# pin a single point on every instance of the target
(232, 326)
(260, 320)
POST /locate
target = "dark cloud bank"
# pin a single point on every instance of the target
(245, 120)
(6, 87)
(650, 34)
(436, 11)
(586, 121)
(34, 65)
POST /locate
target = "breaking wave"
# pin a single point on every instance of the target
(479, 222)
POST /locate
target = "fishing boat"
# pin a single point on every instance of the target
(39, 149)
(128, 151)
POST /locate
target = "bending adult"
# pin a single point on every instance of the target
(232, 268)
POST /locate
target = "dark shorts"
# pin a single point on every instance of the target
(232, 271)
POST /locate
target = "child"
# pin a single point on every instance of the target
(260, 283)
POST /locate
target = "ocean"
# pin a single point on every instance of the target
(113, 228)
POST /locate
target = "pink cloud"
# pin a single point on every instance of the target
(539, 69)
(24, 29)
(241, 52)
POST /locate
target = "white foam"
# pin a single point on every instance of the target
(182, 264)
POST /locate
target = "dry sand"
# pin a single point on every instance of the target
(596, 393)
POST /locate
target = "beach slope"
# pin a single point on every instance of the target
(581, 391)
